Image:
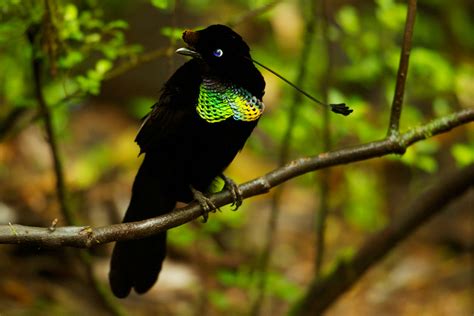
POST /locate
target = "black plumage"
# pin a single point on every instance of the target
(182, 150)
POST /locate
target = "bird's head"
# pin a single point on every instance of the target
(217, 45)
(223, 52)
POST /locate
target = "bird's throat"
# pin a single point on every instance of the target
(219, 101)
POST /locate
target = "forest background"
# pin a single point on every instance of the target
(76, 77)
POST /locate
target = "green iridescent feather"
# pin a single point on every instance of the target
(218, 101)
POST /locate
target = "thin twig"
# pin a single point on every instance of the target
(51, 40)
(397, 103)
(323, 292)
(52, 141)
(44, 111)
(323, 179)
(283, 158)
(138, 60)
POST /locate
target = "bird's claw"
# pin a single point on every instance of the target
(206, 204)
(234, 190)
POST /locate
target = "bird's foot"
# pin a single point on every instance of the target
(234, 190)
(205, 203)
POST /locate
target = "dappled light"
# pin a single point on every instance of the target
(364, 213)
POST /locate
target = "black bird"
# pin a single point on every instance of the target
(205, 113)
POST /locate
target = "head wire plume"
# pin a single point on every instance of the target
(339, 108)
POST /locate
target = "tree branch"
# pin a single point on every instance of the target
(394, 124)
(323, 292)
(86, 237)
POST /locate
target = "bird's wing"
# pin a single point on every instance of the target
(175, 108)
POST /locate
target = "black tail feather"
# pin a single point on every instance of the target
(137, 263)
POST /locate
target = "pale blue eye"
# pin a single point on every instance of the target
(218, 52)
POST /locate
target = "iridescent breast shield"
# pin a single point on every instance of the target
(219, 100)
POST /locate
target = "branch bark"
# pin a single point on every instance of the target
(394, 124)
(323, 292)
(87, 237)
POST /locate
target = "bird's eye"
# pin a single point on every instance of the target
(218, 52)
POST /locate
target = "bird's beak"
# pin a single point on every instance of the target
(191, 38)
(188, 52)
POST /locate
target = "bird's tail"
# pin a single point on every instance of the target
(137, 263)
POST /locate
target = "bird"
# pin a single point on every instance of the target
(204, 115)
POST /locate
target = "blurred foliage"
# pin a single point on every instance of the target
(87, 39)
(363, 206)
(78, 45)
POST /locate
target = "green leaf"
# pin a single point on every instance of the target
(427, 163)
(349, 20)
(219, 300)
(70, 12)
(432, 69)
(102, 66)
(182, 236)
(90, 83)
(161, 4)
(140, 106)
(92, 38)
(172, 32)
(421, 155)
(118, 24)
(464, 84)
(391, 14)
(363, 206)
(282, 287)
(90, 166)
(441, 107)
(227, 277)
(463, 154)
